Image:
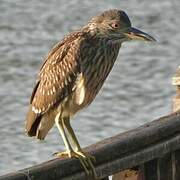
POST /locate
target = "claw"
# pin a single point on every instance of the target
(86, 155)
(84, 164)
(84, 158)
(87, 159)
(65, 154)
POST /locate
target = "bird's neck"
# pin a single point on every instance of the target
(96, 37)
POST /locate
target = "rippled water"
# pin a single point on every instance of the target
(138, 89)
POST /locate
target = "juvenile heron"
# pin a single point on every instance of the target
(72, 75)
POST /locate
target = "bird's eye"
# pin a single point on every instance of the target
(115, 25)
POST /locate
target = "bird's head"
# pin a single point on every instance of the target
(115, 25)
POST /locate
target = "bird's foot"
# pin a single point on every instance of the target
(86, 155)
(84, 158)
(86, 161)
(65, 154)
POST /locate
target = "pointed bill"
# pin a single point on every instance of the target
(136, 34)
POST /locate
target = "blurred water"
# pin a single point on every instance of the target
(137, 90)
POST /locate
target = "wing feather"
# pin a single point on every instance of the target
(56, 79)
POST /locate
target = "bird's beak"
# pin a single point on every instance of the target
(135, 34)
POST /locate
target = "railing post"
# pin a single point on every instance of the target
(176, 107)
(106, 178)
(150, 170)
(167, 167)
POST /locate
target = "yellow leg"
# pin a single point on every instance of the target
(59, 125)
(77, 148)
(70, 152)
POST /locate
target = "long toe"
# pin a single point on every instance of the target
(86, 155)
(64, 154)
(86, 159)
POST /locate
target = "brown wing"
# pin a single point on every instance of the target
(55, 81)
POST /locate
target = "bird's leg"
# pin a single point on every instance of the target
(58, 122)
(74, 139)
(70, 152)
(80, 154)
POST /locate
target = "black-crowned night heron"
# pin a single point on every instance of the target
(72, 75)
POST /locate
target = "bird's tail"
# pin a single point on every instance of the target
(32, 122)
(39, 125)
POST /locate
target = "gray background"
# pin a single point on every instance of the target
(138, 89)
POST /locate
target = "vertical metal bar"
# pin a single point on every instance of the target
(165, 168)
(176, 107)
(173, 158)
(150, 170)
(106, 178)
(177, 165)
(141, 173)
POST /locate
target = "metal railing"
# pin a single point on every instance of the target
(152, 149)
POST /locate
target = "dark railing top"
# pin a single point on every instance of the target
(122, 151)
